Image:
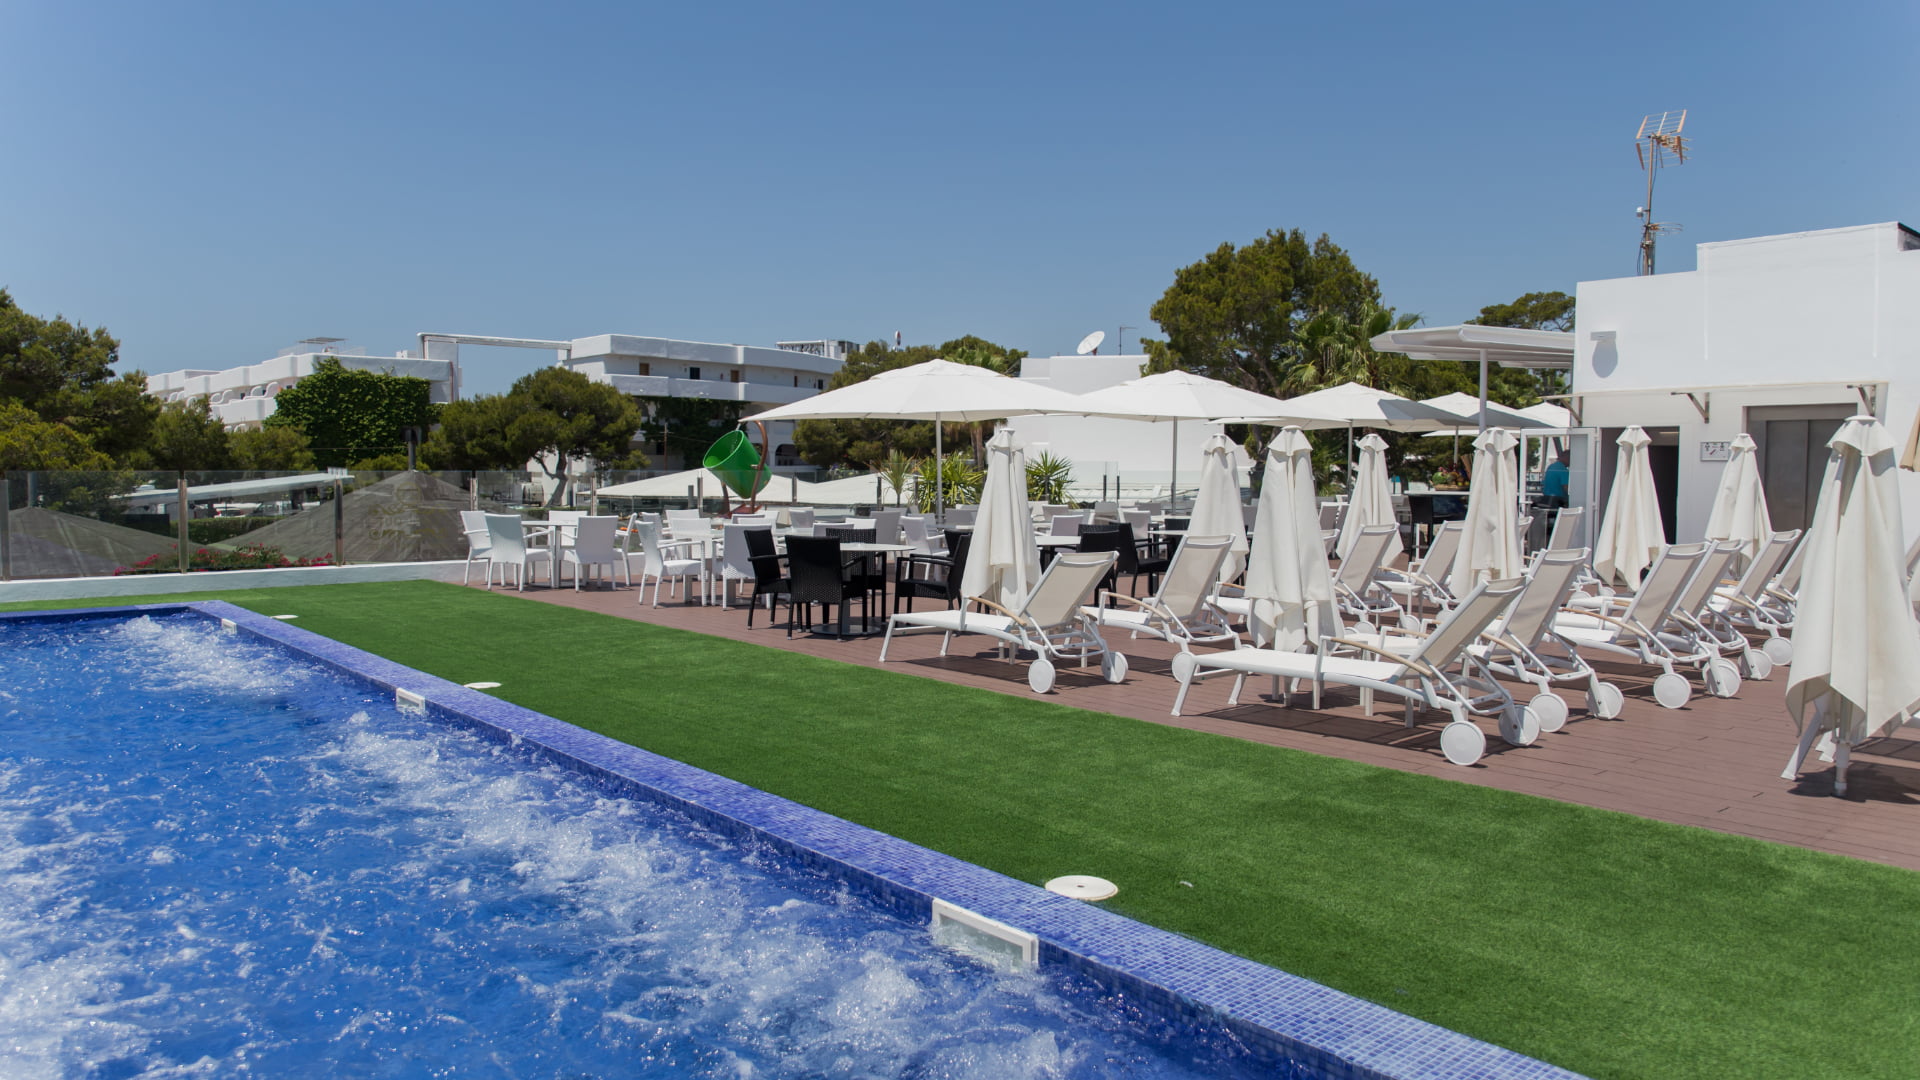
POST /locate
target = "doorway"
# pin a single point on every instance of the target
(1792, 442)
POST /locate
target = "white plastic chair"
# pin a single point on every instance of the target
(507, 543)
(960, 516)
(1066, 524)
(659, 567)
(1052, 622)
(735, 562)
(596, 543)
(800, 518)
(917, 533)
(1425, 675)
(886, 526)
(479, 544)
(682, 523)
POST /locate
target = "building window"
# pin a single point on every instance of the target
(819, 384)
(693, 373)
(733, 375)
(646, 369)
(796, 380)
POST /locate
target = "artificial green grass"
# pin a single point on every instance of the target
(1605, 943)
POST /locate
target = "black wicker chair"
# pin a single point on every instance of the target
(935, 577)
(818, 574)
(768, 581)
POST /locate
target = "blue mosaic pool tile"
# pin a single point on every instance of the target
(1305, 1029)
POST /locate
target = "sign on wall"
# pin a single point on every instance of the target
(1716, 451)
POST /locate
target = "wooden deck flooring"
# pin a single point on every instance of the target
(1715, 763)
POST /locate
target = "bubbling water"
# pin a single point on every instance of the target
(216, 861)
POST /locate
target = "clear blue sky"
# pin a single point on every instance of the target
(215, 181)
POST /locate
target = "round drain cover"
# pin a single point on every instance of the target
(1082, 887)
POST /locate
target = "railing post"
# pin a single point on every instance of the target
(182, 541)
(339, 525)
(6, 529)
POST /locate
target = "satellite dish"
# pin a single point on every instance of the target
(1091, 342)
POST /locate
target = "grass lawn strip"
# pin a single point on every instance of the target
(1609, 944)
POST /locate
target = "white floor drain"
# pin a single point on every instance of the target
(283, 618)
(1083, 887)
(480, 685)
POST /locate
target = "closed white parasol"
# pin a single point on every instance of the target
(1216, 509)
(1289, 585)
(1490, 543)
(1003, 561)
(1856, 647)
(1631, 532)
(1740, 505)
(1372, 501)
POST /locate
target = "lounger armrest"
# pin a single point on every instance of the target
(1148, 604)
(1783, 597)
(1231, 590)
(1632, 628)
(1420, 666)
(1018, 618)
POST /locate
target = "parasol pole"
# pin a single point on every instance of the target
(1173, 470)
(939, 476)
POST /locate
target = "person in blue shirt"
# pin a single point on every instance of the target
(1553, 483)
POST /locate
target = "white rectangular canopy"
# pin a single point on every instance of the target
(1504, 345)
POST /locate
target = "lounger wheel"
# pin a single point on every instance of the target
(1756, 664)
(1605, 701)
(1519, 725)
(1671, 690)
(1779, 650)
(1113, 667)
(1551, 708)
(1722, 677)
(1184, 665)
(1463, 743)
(1040, 675)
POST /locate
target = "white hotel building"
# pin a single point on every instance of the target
(758, 377)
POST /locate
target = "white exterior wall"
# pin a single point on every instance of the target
(1140, 453)
(1834, 306)
(766, 377)
(243, 396)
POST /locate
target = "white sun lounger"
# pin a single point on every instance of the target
(1051, 622)
(1420, 677)
(1629, 631)
(1746, 606)
(1525, 648)
(1182, 611)
(1361, 597)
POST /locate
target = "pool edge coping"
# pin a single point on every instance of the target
(1174, 978)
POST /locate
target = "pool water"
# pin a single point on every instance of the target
(217, 859)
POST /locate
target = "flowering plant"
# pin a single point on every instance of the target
(246, 557)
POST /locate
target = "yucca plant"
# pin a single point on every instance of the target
(1048, 478)
(900, 473)
(958, 477)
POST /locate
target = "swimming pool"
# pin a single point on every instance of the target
(491, 901)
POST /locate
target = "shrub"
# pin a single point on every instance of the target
(249, 557)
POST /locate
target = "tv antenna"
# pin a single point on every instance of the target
(1658, 145)
(1090, 345)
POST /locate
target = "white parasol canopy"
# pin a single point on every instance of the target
(938, 390)
(781, 488)
(1740, 505)
(1180, 395)
(1631, 532)
(1548, 413)
(1856, 649)
(1372, 501)
(1498, 415)
(1289, 585)
(1351, 405)
(1216, 509)
(1490, 543)
(1003, 561)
